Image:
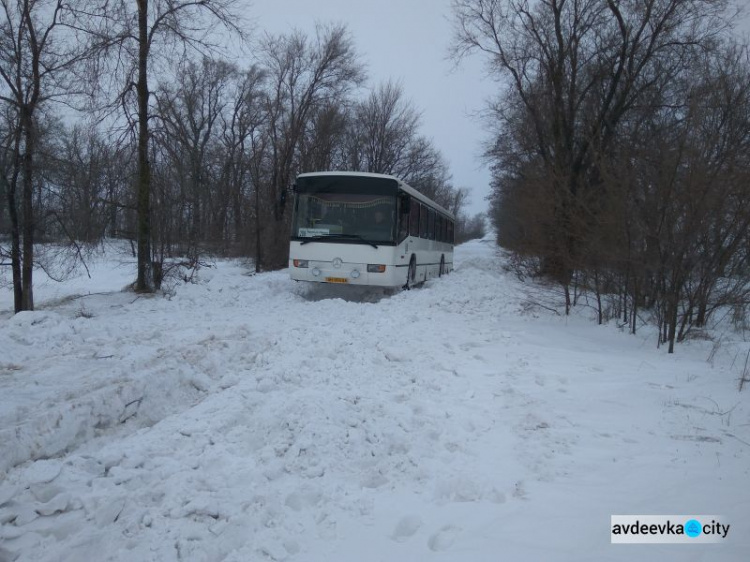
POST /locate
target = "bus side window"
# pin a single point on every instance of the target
(403, 225)
(432, 225)
(414, 218)
(450, 232)
(424, 223)
(440, 222)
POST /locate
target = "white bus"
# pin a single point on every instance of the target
(367, 229)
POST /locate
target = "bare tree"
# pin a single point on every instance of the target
(383, 132)
(243, 144)
(304, 75)
(691, 194)
(190, 114)
(89, 179)
(576, 69)
(620, 150)
(323, 145)
(39, 51)
(134, 39)
(241, 128)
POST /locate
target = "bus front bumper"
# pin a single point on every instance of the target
(348, 274)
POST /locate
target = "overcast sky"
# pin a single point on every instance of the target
(407, 40)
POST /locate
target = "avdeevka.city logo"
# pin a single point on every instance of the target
(693, 528)
(668, 529)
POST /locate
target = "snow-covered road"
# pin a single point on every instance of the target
(251, 418)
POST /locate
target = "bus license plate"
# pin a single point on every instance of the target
(337, 280)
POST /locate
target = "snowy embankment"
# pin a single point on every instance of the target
(252, 418)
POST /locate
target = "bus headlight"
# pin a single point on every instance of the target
(301, 263)
(355, 273)
(375, 268)
(315, 271)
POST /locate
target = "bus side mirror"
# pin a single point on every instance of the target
(405, 205)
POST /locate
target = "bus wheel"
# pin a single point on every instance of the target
(441, 272)
(411, 275)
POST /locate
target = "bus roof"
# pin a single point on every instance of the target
(402, 186)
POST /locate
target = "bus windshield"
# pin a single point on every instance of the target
(353, 217)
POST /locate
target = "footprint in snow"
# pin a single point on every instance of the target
(406, 528)
(443, 539)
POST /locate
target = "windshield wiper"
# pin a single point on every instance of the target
(327, 236)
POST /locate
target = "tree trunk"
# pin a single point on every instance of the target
(145, 280)
(257, 230)
(672, 320)
(27, 206)
(634, 308)
(15, 238)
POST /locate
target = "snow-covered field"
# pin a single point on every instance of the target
(251, 418)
